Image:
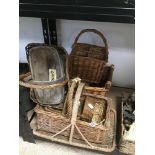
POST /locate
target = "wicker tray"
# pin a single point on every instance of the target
(57, 126)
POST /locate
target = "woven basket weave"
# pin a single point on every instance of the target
(105, 84)
(87, 61)
(54, 124)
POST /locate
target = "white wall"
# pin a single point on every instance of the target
(30, 30)
(120, 37)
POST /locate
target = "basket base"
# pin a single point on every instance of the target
(75, 142)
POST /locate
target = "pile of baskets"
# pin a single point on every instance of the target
(84, 117)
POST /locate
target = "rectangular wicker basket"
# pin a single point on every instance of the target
(54, 125)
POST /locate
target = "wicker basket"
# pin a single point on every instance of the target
(87, 61)
(63, 127)
(106, 82)
(125, 146)
(43, 90)
(48, 66)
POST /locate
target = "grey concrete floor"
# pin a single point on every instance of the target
(51, 148)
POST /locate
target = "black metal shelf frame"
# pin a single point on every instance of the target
(120, 11)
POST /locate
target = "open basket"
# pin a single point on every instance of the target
(125, 146)
(87, 61)
(66, 127)
(105, 84)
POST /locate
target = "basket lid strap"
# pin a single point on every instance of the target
(94, 31)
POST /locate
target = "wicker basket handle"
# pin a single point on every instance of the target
(107, 121)
(24, 80)
(94, 31)
(70, 97)
(76, 102)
